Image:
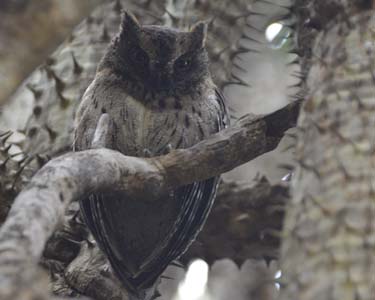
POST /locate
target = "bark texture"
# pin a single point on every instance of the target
(328, 249)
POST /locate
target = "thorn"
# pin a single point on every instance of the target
(19, 172)
(105, 35)
(5, 136)
(174, 18)
(295, 61)
(254, 13)
(233, 19)
(89, 20)
(289, 147)
(238, 262)
(283, 17)
(37, 110)
(254, 28)
(299, 84)
(5, 133)
(177, 264)
(291, 135)
(64, 102)
(6, 149)
(117, 7)
(251, 39)
(288, 7)
(32, 131)
(268, 260)
(4, 163)
(287, 167)
(16, 154)
(296, 52)
(37, 93)
(70, 38)
(157, 18)
(23, 159)
(309, 168)
(271, 210)
(241, 50)
(59, 83)
(273, 233)
(77, 69)
(52, 134)
(299, 75)
(228, 83)
(156, 295)
(147, 3)
(237, 81)
(50, 61)
(239, 67)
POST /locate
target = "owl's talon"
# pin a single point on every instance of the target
(147, 153)
(105, 270)
(168, 149)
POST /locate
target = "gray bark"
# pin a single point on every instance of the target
(328, 249)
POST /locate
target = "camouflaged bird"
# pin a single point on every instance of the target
(155, 85)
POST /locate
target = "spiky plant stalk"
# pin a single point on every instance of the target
(328, 249)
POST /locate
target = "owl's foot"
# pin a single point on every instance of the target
(168, 149)
(147, 153)
(105, 270)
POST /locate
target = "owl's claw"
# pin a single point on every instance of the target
(168, 149)
(105, 270)
(147, 153)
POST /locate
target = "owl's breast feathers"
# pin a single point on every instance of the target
(140, 237)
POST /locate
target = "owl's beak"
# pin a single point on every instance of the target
(160, 79)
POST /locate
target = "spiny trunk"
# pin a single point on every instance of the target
(328, 249)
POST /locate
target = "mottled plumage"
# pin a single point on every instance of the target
(155, 85)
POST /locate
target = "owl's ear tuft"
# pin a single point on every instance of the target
(129, 23)
(199, 34)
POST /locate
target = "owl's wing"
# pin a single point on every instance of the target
(197, 200)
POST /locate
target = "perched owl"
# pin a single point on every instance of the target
(155, 85)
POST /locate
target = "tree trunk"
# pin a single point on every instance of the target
(328, 249)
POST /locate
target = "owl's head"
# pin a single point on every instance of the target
(159, 58)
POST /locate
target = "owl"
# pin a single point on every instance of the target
(154, 83)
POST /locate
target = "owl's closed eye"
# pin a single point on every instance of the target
(160, 58)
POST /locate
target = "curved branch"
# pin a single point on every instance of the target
(40, 207)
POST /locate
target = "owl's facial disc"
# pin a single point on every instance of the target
(161, 58)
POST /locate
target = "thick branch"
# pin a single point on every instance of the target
(38, 209)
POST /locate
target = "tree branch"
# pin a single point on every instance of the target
(40, 207)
